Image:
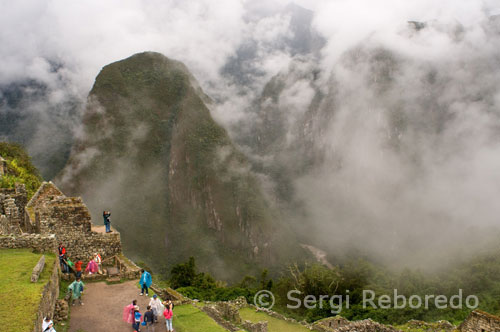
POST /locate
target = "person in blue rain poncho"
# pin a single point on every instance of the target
(145, 282)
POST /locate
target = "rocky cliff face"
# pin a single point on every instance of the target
(368, 143)
(176, 186)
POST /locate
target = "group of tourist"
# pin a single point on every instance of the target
(76, 287)
(132, 313)
(93, 266)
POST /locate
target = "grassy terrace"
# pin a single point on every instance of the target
(19, 298)
(273, 324)
(188, 318)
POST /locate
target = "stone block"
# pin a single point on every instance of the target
(37, 270)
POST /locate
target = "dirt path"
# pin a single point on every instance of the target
(103, 308)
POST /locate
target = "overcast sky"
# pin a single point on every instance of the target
(84, 36)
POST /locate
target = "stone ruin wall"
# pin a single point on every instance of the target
(227, 315)
(330, 324)
(45, 243)
(480, 321)
(49, 297)
(69, 219)
(43, 195)
(12, 212)
(50, 218)
(340, 324)
(255, 327)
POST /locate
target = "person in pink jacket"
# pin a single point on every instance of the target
(168, 317)
(128, 312)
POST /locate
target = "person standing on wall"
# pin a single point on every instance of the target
(107, 221)
(145, 282)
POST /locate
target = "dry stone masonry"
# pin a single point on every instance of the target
(340, 324)
(480, 321)
(227, 315)
(43, 243)
(12, 204)
(61, 311)
(50, 218)
(439, 326)
(49, 297)
(51, 212)
(255, 327)
(37, 270)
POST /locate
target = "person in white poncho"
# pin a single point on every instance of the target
(98, 261)
(157, 306)
(48, 325)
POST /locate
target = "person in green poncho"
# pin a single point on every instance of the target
(76, 289)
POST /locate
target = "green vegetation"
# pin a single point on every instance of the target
(189, 318)
(478, 275)
(19, 298)
(187, 281)
(19, 168)
(273, 324)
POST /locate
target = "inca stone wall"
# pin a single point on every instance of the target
(43, 195)
(255, 327)
(439, 326)
(480, 321)
(12, 215)
(340, 324)
(227, 315)
(62, 215)
(213, 313)
(43, 243)
(330, 324)
(50, 218)
(49, 297)
(82, 246)
(68, 218)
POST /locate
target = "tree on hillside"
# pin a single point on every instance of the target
(19, 168)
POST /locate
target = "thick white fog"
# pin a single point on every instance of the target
(407, 130)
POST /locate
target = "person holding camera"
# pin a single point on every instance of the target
(107, 221)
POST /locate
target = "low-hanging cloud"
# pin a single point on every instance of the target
(408, 125)
(408, 132)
